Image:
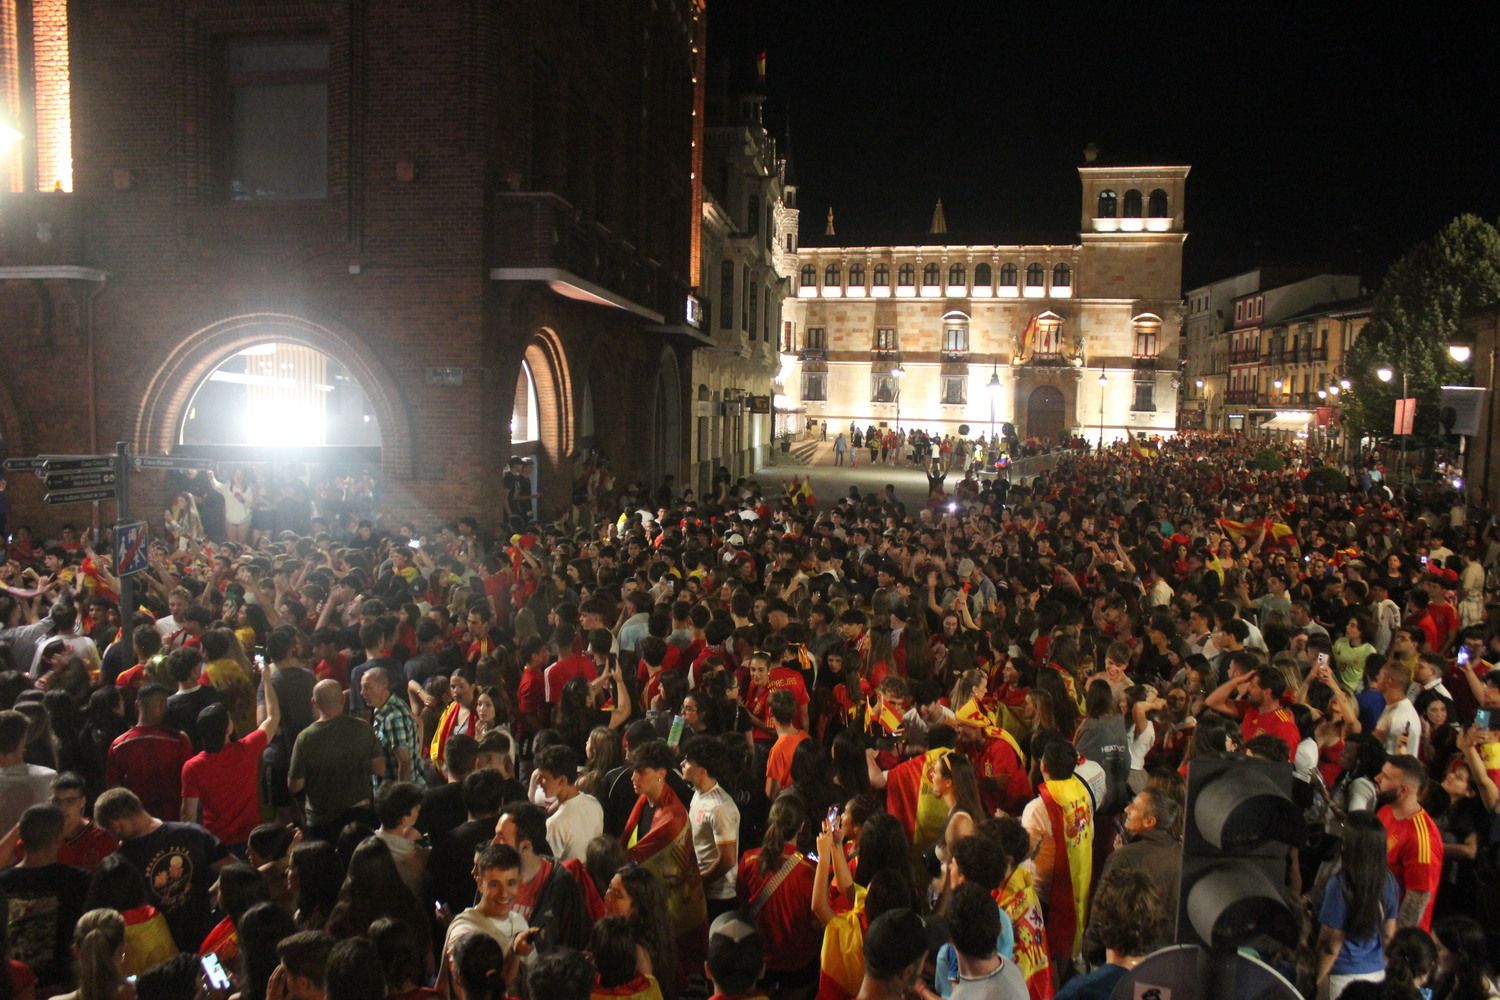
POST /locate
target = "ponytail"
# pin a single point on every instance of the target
(785, 821)
(97, 941)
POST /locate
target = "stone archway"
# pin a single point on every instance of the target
(172, 386)
(544, 421)
(666, 420)
(1046, 412)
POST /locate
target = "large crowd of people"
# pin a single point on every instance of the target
(752, 745)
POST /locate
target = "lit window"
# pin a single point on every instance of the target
(956, 338)
(809, 277)
(957, 274)
(906, 276)
(1109, 204)
(856, 275)
(816, 338)
(831, 276)
(885, 339)
(277, 96)
(882, 276)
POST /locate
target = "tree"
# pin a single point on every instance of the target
(1414, 317)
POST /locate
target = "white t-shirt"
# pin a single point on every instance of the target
(1399, 720)
(716, 820)
(504, 930)
(1140, 745)
(572, 825)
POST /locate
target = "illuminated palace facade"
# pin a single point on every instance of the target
(1055, 336)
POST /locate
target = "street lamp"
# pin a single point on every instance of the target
(1385, 373)
(898, 373)
(1460, 352)
(1103, 381)
(994, 390)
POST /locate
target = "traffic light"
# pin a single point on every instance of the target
(1241, 820)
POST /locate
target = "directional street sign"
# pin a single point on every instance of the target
(86, 479)
(79, 464)
(173, 463)
(132, 553)
(25, 464)
(80, 496)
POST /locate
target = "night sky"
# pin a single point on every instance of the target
(1325, 135)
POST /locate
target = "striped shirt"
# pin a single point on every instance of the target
(1414, 853)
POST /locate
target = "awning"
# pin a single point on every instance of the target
(1293, 420)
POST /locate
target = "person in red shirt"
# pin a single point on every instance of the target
(148, 757)
(571, 665)
(219, 784)
(764, 680)
(330, 662)
(1414, 847)
(1255, 699)
(83, 844)
(779, 764)
(531, 694)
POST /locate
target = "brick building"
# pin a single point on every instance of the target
(1075, 332)
(467, 228)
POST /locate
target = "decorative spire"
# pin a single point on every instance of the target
(939, 223)
(828, 230)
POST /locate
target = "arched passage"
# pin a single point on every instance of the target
(1046, 412)
(542, 417)
(666, 419)
(172, 387)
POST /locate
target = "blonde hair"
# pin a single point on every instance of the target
(97, 941)
(968, 682)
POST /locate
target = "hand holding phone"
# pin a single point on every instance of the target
(214, 974)
(1482, 720)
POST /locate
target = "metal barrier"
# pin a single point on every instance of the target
(1024, 469)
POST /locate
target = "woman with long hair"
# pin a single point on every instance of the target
(1410, 960)
(1358, 909)
(238, 887)
(638, 894)
(312, 878)
(776, 881)
(262, 927)
(99, 958)
(603, 752)
(953, 780)
(119, 885)
(476, 968)
(372, 889)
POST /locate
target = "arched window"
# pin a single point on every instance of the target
(1156, 205)
(1008, 275)
(930, 275)
(1132, 204)
(1035, 275)
(957, 274)
(983, 276)
(831, 277)
(882, 275)
(906, 276)
(1062, 276)
(1108, 205)
(809, 276)
(1147, 330)
(856, 276)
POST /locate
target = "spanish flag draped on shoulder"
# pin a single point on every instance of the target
(1143, 449)
(801, 489)
(1277, 532)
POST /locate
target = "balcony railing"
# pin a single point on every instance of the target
(1297, 355)
(1248, 355)
(1244, 396)
(542, 230)
(1146, 364)
(41, 230)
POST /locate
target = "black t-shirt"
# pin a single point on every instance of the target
(442, 808)
(184, 706)
(45, 904)
(294, 688)
(177, 860)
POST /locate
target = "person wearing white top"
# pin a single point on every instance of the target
(715, 820)
(498, 878)
(1399, 727)
(578, 817)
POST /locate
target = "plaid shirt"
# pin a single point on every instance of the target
(396, 728)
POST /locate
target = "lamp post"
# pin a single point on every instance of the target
(993, 387)
(898, 373)
(1385, 374)
(1103, 381)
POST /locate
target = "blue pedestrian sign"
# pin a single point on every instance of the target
(132, 548)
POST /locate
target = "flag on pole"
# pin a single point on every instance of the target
(1028, 338)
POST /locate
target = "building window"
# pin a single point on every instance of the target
(1008, 275)
(815, 386)
(765, 320)
(753, 297)
(885, 338)
(1147, 336)
(1109, 204)
(1035, 275)
(1062, 276)
(930, 276)
(745, 302)
(882, 277)
(955, 390)
(816, 339)
(831, 276)
(956, 338)
(1145, 397)
(856, 276)
(957, 274)
(277, 96)
(726, 295)
(809, 277)
(1048, 335)
(906, 276)
(983, 276)
(1132, 204)
(752, 216)
(1156, 204)
(882, 387)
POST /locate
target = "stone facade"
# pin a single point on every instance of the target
(1043, 319)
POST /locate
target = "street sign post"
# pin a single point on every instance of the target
(25, 464)
(85, 463)
(173, 463)
(132, 551)
(83, 479)
(80, 496)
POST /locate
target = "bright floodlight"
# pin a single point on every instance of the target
(1334, 390)
(1198, 382)
(1384, 373)
(1460, 352)
(993, 385)
(8, 135)
(1344, 383)
(1277, 384)
(1322, 393)
(898, 371)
